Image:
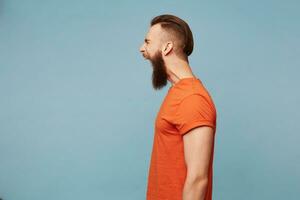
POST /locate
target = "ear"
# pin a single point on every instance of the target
(167, 48)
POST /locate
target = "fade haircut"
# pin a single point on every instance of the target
(178, 31)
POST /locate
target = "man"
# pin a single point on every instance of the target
(181, 166)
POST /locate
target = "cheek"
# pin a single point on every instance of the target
(150, 51)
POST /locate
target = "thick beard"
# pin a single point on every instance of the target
(159, 75)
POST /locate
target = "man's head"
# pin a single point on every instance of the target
(169, 36)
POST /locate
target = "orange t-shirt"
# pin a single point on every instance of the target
(187, 105)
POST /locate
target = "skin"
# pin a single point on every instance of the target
(160, 50)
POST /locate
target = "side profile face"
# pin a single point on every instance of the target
(152, 42)
(151, 50)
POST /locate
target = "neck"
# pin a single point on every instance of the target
(178, 69)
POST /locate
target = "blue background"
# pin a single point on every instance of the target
(77, 107)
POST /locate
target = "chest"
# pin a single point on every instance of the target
(165, 118)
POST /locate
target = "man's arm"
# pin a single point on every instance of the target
(198, 144)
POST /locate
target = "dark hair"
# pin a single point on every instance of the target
(177, 27)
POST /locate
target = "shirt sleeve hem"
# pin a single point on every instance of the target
(195, 124)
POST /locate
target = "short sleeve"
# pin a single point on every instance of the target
(193, 111)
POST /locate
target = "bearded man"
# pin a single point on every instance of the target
(181, 165)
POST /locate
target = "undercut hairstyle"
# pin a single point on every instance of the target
(178, 31)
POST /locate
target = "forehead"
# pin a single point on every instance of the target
(154, 32)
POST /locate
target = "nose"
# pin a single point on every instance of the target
(142, 49)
